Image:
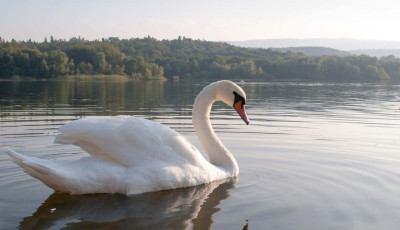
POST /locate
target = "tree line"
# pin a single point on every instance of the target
(147, 58)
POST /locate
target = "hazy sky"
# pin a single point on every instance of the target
(216, 20)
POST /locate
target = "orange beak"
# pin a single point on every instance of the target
(239, 107)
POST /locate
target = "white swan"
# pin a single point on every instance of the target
(131, 155)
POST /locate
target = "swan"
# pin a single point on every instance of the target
(130, 155)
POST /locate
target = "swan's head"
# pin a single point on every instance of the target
(232, 95)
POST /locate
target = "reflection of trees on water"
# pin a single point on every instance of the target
(97, 97)
(174, 209)
(82, 98)
(110, 98)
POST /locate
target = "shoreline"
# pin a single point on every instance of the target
(96, 77)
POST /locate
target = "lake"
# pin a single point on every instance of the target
(315, 156)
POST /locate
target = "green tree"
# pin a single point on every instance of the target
(131, 67)
(7, 65)
(100, 64)
(148, 74)
(85, 68)
(22, 63)
(371, 73)
(57, 63)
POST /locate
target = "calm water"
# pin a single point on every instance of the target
(315, 156)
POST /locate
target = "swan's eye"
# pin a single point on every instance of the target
(238, 98)
(238, 105)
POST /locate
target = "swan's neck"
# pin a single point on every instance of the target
(217, 153)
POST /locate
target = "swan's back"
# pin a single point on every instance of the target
(129, 141)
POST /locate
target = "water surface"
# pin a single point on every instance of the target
(315, 156)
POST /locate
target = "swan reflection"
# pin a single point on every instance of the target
(174, 209)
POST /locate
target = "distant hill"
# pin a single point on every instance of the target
(314, 51)
(377, 52)
(345, 44)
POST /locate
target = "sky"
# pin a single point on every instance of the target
(213, 20)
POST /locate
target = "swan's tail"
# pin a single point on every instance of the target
(48, 172)
(31, 165)
(51, 173)
(75, 177)
(16, 157)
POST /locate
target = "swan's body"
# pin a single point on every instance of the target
(131, 155)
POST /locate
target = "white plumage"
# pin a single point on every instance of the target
(132, 155)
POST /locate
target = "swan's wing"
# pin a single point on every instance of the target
(129, 141)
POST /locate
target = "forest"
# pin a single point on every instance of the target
(149, 58)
